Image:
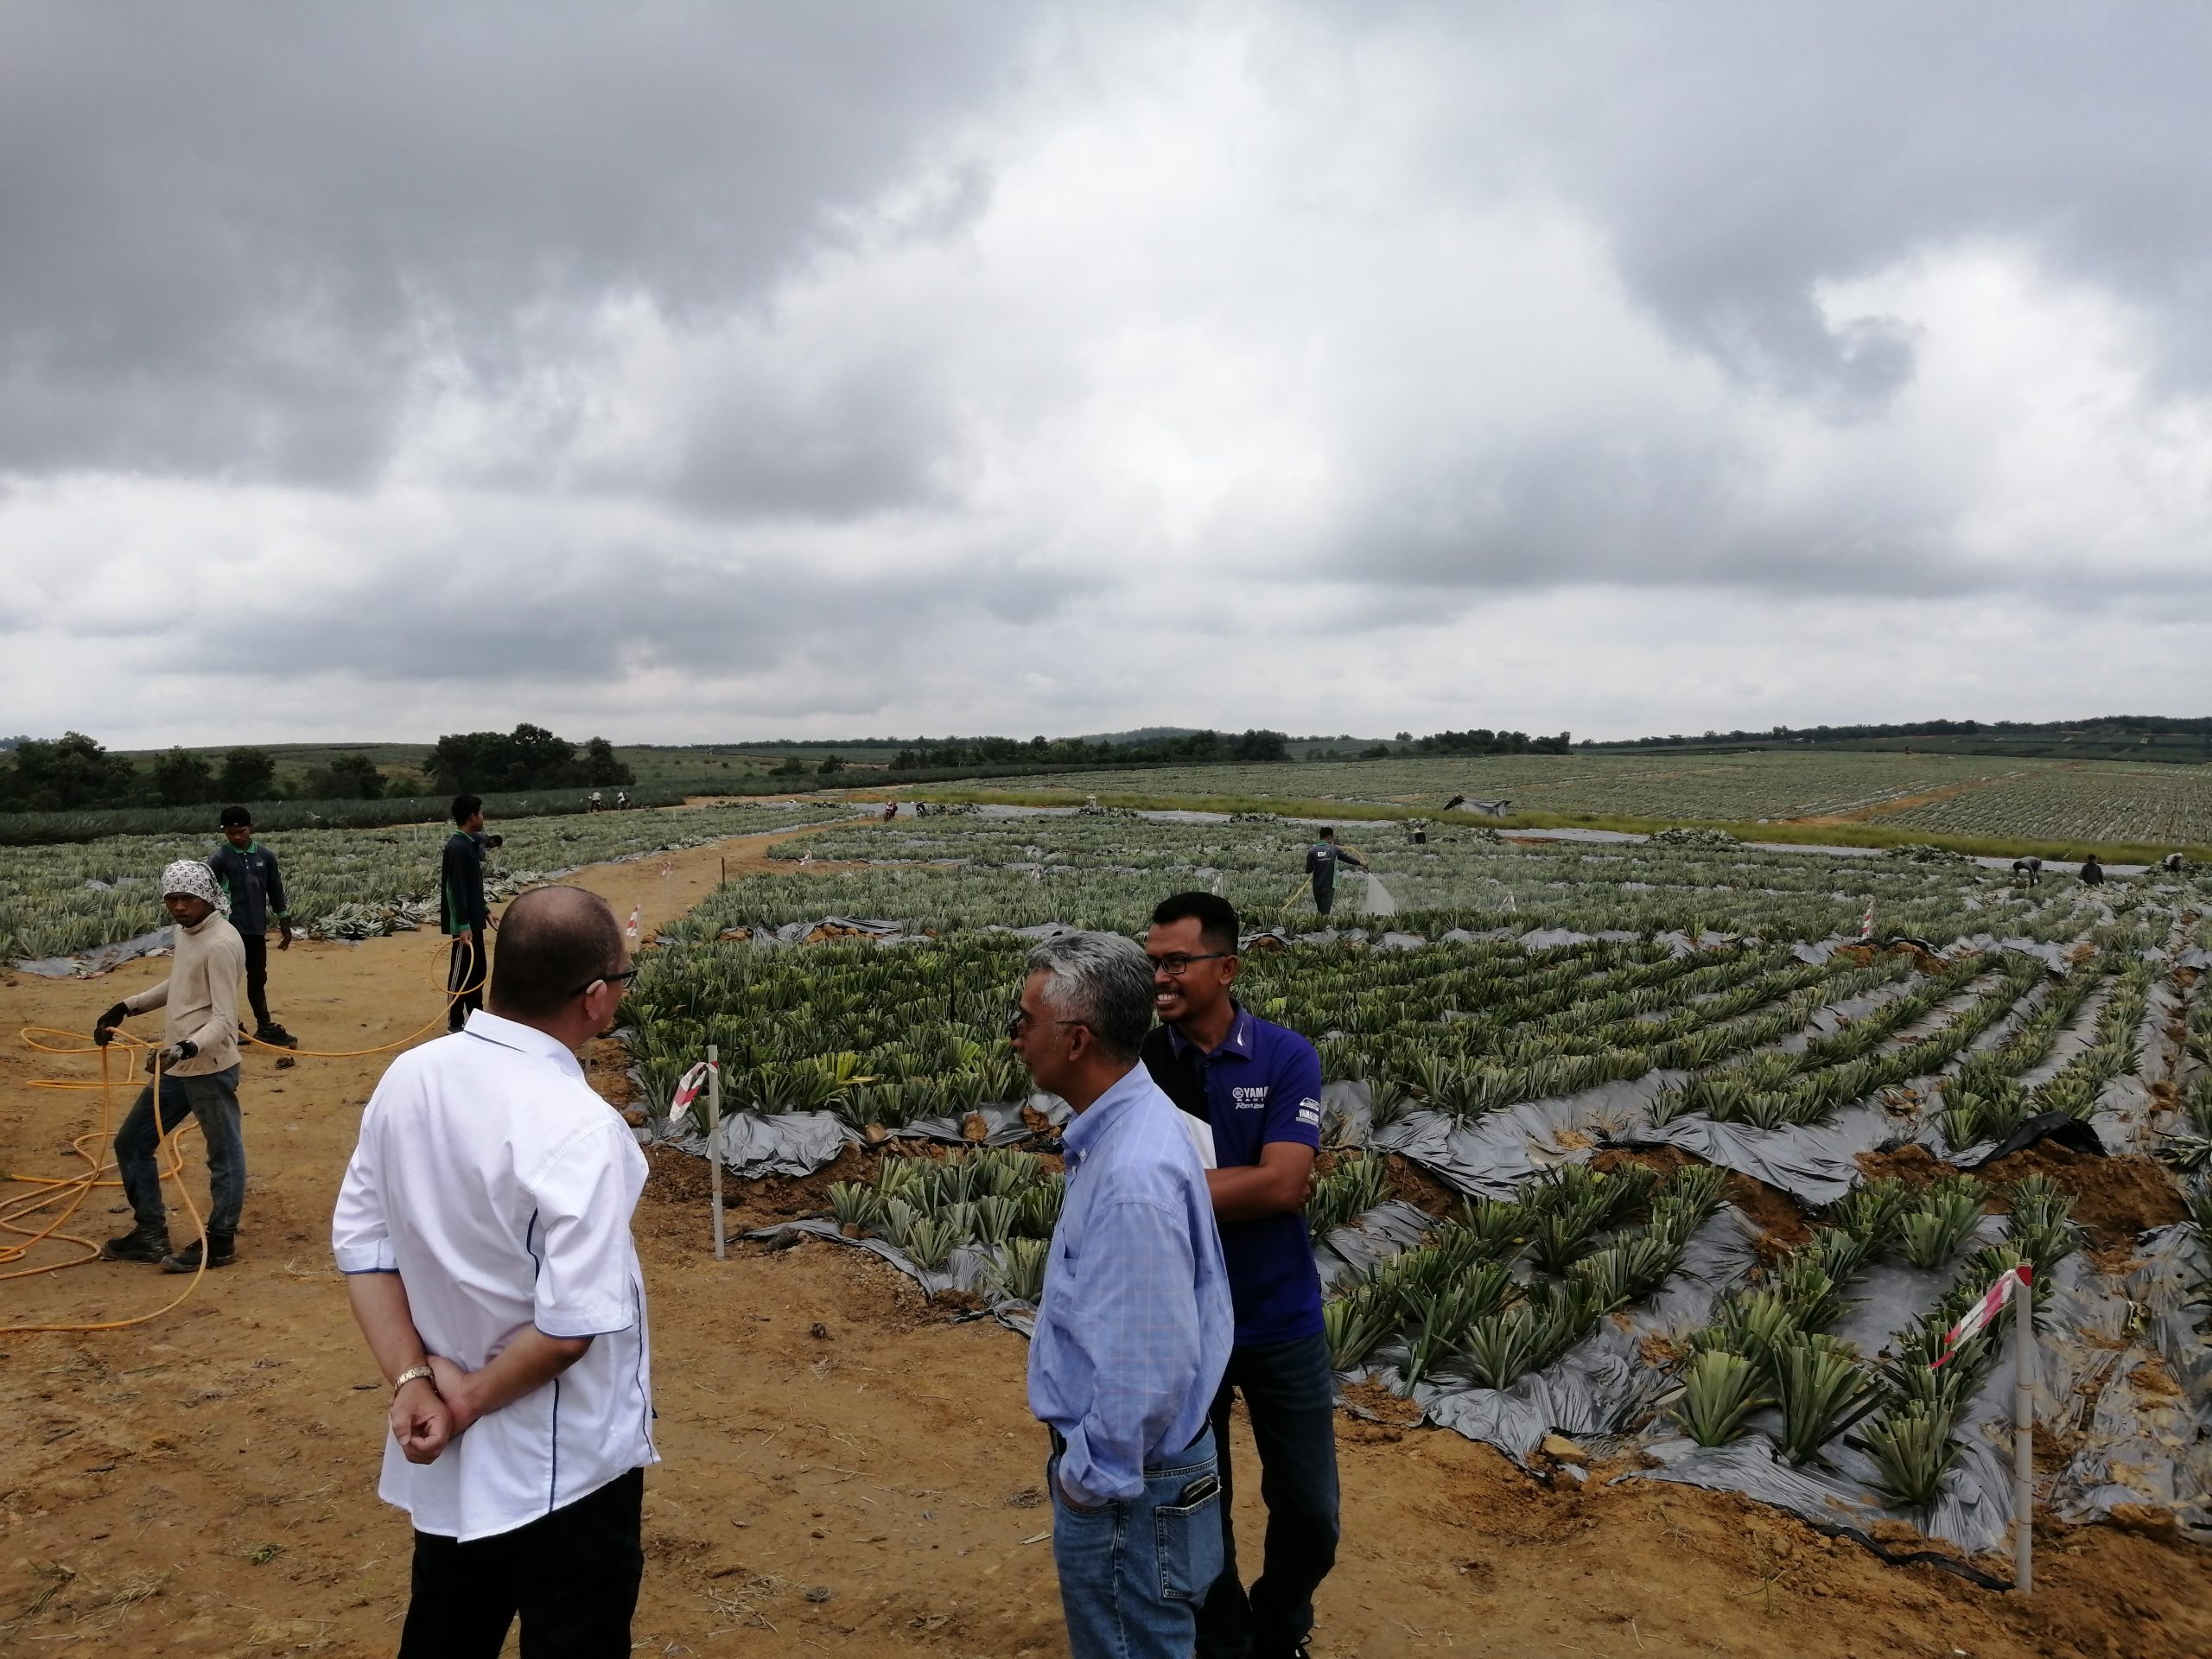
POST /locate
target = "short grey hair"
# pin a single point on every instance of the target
(1102, 980)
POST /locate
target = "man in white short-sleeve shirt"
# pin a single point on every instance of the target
(484, 1227)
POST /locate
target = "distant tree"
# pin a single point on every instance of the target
(602, 766)
(247, 775)
(1403, 737)
(346, 778)
(1375, 752)
(66, 775)
(530, 757)
(183, 778)
(792, 767)
(830, 763)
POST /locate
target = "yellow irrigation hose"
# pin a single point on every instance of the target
(169, 1161)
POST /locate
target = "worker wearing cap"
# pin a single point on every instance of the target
(198, 1074)
(1321, 861)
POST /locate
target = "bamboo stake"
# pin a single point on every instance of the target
(714, 1142)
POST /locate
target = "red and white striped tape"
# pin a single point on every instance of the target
(1866, 922)
(688, 1085)
(636, 912)
(1984, 1310)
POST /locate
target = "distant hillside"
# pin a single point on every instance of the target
(2182, 739)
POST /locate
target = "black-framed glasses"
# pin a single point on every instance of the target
(622, 978)
(1177, 964)
(1020, 1019)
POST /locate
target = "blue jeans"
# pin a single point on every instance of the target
(1290, 1395)
(214, 1100)
(1132, 1573)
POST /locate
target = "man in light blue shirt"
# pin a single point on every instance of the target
(1134, 1325)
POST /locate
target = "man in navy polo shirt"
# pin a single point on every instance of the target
(1258, 1086)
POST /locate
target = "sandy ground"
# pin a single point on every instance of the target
(848, 1469)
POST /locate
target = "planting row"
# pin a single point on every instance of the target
(61, 899)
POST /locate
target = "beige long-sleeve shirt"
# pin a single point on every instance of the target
(201, 996)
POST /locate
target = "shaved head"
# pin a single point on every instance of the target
(552, 942)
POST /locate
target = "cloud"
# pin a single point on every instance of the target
(683, 371)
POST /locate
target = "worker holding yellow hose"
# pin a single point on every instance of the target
(199, 1075)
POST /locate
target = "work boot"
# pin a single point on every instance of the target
(140, 1243)
(221, 1252)
(275, 1036)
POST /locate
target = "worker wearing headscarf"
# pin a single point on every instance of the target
(197, 1073)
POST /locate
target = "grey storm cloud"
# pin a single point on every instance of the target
(502, 339)
(239, 235)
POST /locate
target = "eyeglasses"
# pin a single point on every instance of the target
(1176, 963)
(622, 978)
(1020, 1019)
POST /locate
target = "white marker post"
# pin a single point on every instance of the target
(714, 1142)
(2013, 1281)
(2023, 1440)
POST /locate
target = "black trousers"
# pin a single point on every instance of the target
(573, 1576)
(1290, 1396)
(256, 976)
(464, 975)
(1325, 895)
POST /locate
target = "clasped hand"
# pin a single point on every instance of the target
(427, 1416)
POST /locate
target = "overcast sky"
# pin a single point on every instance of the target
(681, 372)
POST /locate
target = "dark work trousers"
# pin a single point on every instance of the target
(214, 1099)
(257, 977)
(573, 1575)
(465, 977)
(1290, 1397)
(1324, 894)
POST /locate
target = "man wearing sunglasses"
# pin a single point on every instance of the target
(484, 1228)
(1258, 1087)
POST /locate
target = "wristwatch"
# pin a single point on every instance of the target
(416, 1374)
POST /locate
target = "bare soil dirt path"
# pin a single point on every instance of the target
(848, 1469)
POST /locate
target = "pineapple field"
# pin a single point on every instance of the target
(1689, 1153)
(1983, 797)
(59, 899)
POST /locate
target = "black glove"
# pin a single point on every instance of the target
(104, 1031)
(177, 1052)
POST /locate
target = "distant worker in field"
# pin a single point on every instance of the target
(621, 800)
(462, 912)
(483, 1227)
(199, 1076)
(592, 802)
(1321, 861)
(2173, 864)
(1257, 1086)
(2092, 874)
(890, 810)
(254, 886)
(2029, 871)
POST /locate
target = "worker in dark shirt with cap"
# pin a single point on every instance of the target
(462, 912)
(254, 889)
(1257, 1086)
(1321, 861)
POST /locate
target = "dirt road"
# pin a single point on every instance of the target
(846, 1469)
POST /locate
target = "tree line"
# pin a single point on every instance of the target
(1188, 748)
(74, 773)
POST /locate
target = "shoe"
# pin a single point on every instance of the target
(221, 1252)
(139, 1244)
(275, 1036)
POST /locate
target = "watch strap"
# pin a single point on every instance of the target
(416, 1374)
